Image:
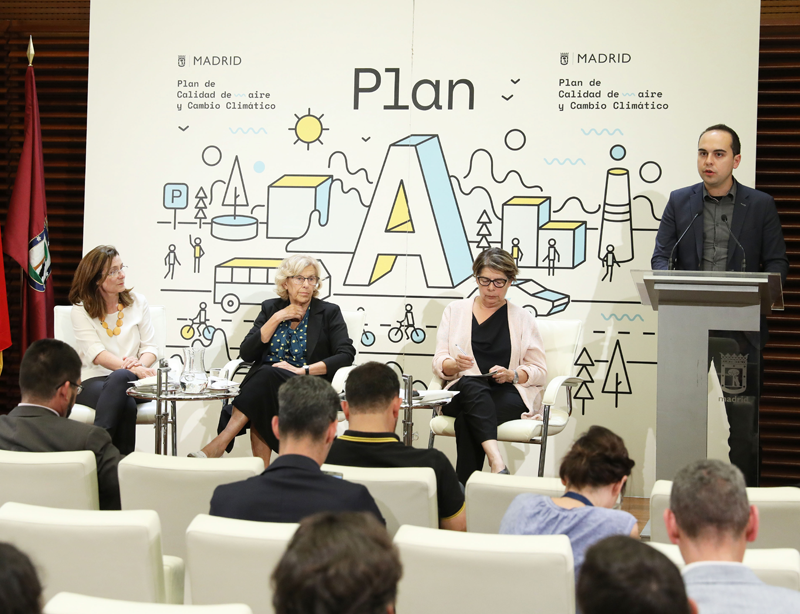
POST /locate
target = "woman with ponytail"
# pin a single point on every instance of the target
(594, 473)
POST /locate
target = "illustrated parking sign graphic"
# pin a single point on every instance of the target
(176, 196)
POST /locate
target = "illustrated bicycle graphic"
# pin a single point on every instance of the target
(396, 333)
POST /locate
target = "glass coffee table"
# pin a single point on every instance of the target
(166, 415)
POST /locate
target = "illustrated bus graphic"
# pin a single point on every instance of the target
(251, 281)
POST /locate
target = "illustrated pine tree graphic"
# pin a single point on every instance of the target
(583, 393)
(235, 192)
(617, 381)
(483, 231)
(200, 206)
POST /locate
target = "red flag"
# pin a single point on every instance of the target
(27, 239)
(5, 327)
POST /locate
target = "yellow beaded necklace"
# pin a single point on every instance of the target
(120, 315)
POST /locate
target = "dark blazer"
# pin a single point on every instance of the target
(327, 340)
(30, 428)
(290, 489)
(755, 223)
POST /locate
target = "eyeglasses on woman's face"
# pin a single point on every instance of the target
(498, 283)
(300, 280)
(114, 273)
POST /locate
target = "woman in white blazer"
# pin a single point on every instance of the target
(491, 352)
(116, 342)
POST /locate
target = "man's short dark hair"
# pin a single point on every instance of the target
(371, 387)
(736, 145)
(47, 364)
(710, 497)
(20, 589)
(621, 574)
(306, 407)
(337, 562)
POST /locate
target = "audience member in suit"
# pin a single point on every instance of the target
(50, 381)
(624, 576)
(293, 486)
(711, 521)
(338, 563)
(372, 408)
(594, 473)
(20, 589)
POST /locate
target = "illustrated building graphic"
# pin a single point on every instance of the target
(300, 195)
(527, 225)
(413, 213)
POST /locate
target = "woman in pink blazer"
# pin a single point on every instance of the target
(486, 334)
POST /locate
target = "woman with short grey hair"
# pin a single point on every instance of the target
(295, 334)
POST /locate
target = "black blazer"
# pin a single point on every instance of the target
(32, 428)
(328, 340)
(290, 489)
(755, 223)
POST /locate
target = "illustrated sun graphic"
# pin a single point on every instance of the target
(308, 129)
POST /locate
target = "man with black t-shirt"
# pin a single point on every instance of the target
(372, 407)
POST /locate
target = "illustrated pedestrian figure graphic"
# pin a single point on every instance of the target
(197, 251)
(552, 257)
(609, 261)
(516, 252)
(171, 260)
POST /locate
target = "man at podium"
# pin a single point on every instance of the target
(722, 225)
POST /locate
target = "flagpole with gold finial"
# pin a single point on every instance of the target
(31, 52)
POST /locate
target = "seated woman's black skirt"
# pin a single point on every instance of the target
(258, 399)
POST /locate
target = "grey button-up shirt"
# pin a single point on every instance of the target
(716, 232)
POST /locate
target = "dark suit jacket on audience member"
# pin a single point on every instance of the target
(290, 489)
(32, 428)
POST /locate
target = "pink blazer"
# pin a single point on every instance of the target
(527, 349)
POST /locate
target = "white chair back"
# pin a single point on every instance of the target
(561, 339)
(773, 566)
(778, 511)
(54, 479)
(474, 573)
(355, 326)
(232, 560)
(71, 603)
(404, 495)
(488, 496)
(100, 553)
(178, 489)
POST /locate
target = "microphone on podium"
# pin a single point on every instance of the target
(724, 218)
(671, 263)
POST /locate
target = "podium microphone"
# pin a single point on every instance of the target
(671, 264)
(724, 218)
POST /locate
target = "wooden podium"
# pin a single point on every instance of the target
(689, 305)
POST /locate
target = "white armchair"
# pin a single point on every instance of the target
(560, 338)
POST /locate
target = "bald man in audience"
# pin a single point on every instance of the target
(294, 486)
(711, 521)
(372, 408)
(50, 381)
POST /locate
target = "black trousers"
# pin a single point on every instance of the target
(114, 410)
(479, 407)
(258, 399)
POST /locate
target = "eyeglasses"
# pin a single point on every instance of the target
(116, 272)
(485, 281)
(300, 280)
(78, 387)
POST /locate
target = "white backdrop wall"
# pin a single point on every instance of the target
(394, 141)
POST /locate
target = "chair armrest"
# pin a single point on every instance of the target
(340, 377)
(230, 368)
(562, 381)
(435, 384)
